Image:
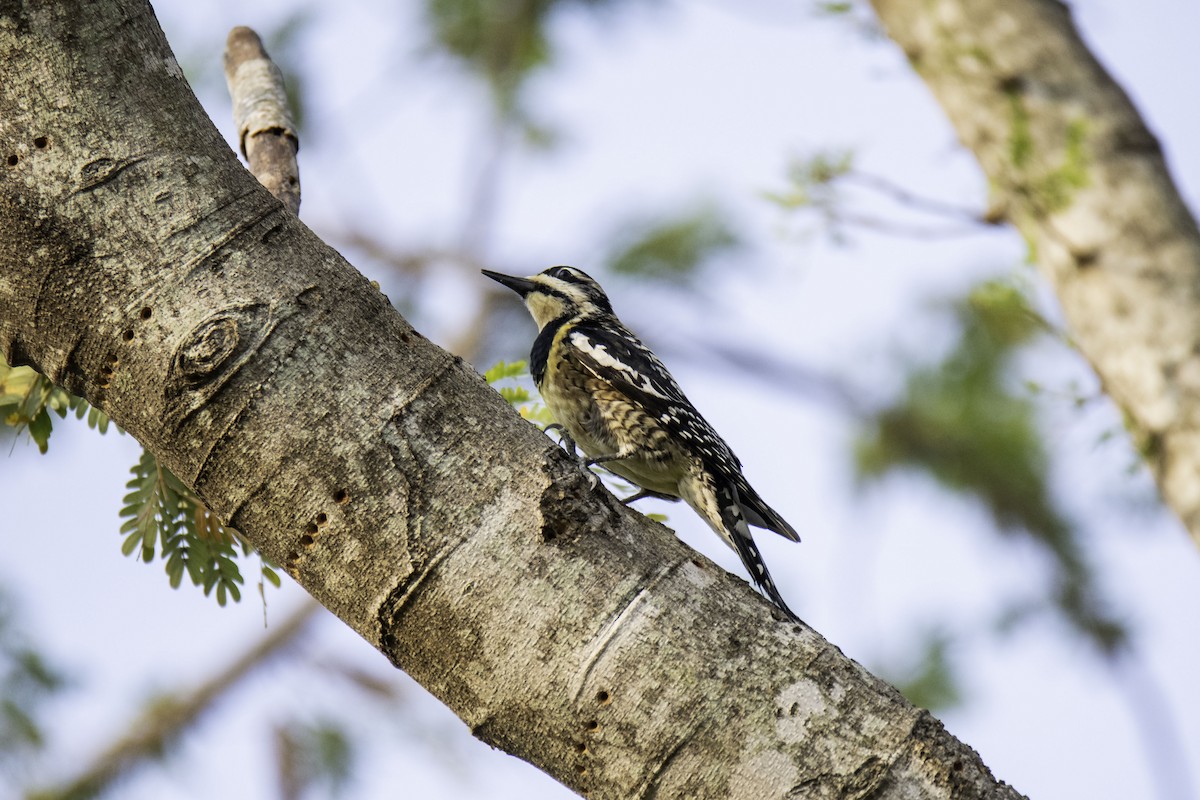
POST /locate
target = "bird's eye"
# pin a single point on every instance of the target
(568, 274)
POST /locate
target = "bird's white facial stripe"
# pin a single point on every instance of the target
(552, 297)
(600, 353)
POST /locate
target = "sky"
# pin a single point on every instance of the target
(658, 107)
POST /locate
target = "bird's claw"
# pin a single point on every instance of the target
(567, 443)
(564, 440)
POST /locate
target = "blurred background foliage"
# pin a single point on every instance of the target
(27, 683)
(969, 423)
(969, 419)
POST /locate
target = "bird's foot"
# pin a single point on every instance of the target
(567, 443)
(564, 439)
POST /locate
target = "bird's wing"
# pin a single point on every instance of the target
(619, 358)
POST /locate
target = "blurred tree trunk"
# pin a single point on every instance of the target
(1071, 163)
(146, 271)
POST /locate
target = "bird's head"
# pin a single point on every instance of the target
(557, 292)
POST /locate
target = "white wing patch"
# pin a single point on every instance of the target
(602, 357)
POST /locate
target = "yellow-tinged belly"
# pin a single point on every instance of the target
(654, 476)
(593, 413)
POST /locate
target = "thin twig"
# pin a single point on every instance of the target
(822, 386)
(903, 230)
(919, 202)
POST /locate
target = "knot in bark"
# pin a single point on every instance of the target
(206, 349)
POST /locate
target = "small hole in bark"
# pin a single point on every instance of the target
(40, 142)
(13, 159)
(145, 313)
(601, 697)
(306, 540)
(292, 556)
(322, 518)
(403, 336)
(592, 725)
(582, 769)
(310, 528)
(341, 496)
(127, 335)
(580, 747)
(958, 765)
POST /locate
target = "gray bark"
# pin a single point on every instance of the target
(145, 270)
(266, 132)
(1072, 165)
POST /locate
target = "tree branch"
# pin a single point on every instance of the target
(1073, 166)
(266, 132)
(384, 475)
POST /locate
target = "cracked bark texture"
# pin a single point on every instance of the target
(1071, 163)
(145, 270)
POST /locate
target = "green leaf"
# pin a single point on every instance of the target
(671, 247)
(932, 682)
(97, 419)
(515, 395)
(506, 369)
(965, 423)
(521, 396)
(811, 180)
(27, 399)
(834, 8)
(131, 542)
(315, 756)
(503, 43)
(175, 569)
(164, 516)
(27, 682)
(270, 575)
(39, 430)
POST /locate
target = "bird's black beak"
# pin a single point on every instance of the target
(521, 286)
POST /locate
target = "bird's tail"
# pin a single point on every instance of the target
(737, 534)
(759, 514)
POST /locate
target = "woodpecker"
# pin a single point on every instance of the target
(613, 398)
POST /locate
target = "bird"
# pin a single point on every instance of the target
(615, 400)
